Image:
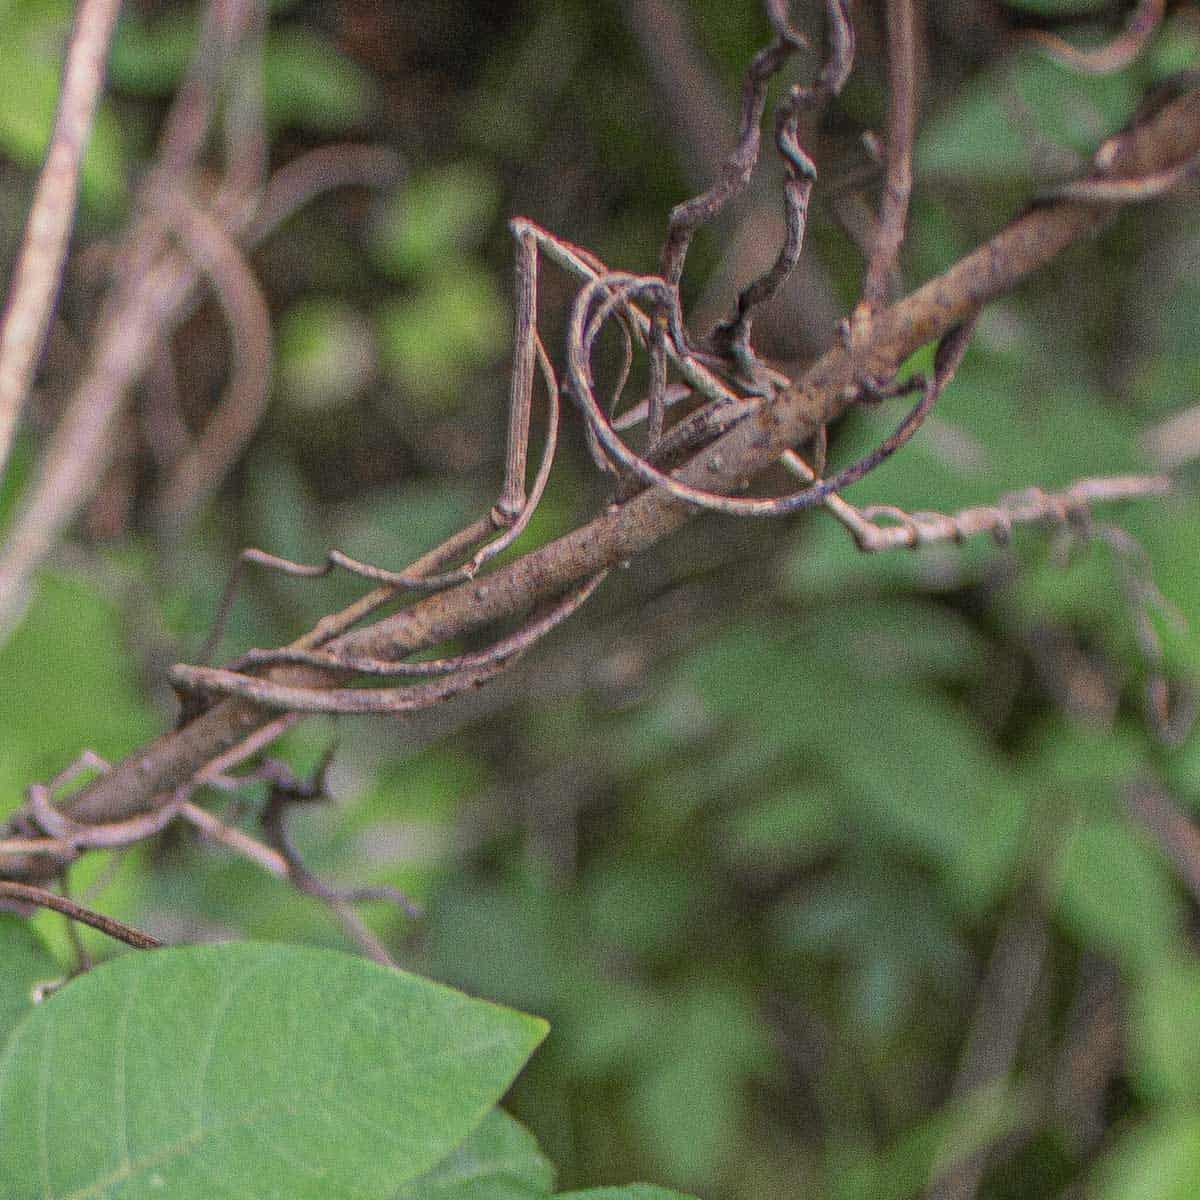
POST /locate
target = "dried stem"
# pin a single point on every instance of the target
(914, 530)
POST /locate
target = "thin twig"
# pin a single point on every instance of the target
(515, 643)
(468, 671)
(47, 232)
(282, 796)
(733, 336)
(27, 894)
(232, 839)
(289, 698)
(914, 530)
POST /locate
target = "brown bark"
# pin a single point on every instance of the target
(1031, 240)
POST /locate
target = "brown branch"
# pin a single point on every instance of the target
(786, 419)
(44, 249)
(1031, 506)
(27, 894)
(903, 103)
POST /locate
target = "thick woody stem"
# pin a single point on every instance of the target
(787, 419)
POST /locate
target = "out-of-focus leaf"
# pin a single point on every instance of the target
(631, 1191)
(893, 938)
(610, 1027)
(517, 940)
(69, 684)
(431, 340)
(431, 222)
(32, 37)
(1165, 1031)
(326, 353)
(928, 779)
(309, 84)
(641, 905)
(149, 57)
(792, 827)
(1055, 8)
(1158, 1161)
(690, 1102)
(1117, 895)
(935, 1145)
(978, 135)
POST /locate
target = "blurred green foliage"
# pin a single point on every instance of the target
(756, 830)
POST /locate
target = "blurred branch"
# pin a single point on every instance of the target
(903, 105)
(40, 260)
(147, 777)
(152, 283)
(1174, 830)
(1176, 440)
(215, 253)
(1115, 54)
(154, 287)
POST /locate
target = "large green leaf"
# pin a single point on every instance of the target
(266, 1071)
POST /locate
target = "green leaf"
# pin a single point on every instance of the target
(499, 1161)
(24, 962)
(1117, 896)
(1054, 8)
(691, 1102)
(269, 1071)
(32, 40)
(793, 826)
(1164, 1031)
(930, 1147)
(307, 83)
(1160, 1161)
(326, 353)
(438, 216)
(979, 136)
(431, 341)
(149, 58)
